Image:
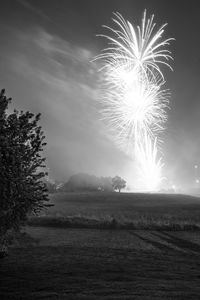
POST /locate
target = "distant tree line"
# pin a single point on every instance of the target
(83, 182)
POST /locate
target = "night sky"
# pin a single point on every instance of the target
(45, 62)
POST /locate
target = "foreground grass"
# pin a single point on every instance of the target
(67, 258)
(64, 260)
(121, 211)
(100, 273)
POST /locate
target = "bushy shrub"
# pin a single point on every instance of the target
(22, 189)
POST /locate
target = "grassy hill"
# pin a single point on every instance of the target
(121, 210)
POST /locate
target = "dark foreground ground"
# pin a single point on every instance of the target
(94, 264)
(69, 253)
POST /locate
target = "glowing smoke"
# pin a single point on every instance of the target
(134, 100)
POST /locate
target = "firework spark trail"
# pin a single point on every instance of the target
(133, 97)
(150, 166)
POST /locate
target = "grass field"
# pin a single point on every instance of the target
(63, 260)
(102, 273)
(122, 211)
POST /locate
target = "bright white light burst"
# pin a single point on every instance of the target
(133, 97)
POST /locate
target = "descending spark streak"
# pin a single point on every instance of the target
(150, 166)
(134, 101)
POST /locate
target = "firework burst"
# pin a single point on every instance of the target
(133, 95)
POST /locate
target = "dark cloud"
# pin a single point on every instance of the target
(33, 8)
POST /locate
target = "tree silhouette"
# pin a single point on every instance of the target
(22, 189)
(118, 183)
